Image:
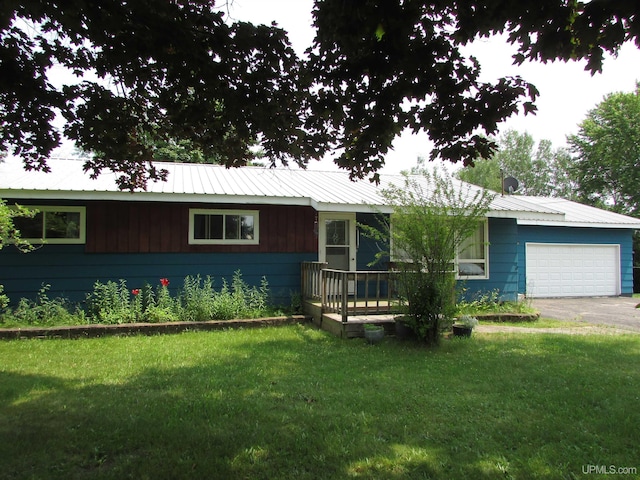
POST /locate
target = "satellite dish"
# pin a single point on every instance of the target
(510, 185)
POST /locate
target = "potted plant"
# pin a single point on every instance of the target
(373, 333)
(464, 325)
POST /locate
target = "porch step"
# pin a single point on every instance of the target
(354, 327)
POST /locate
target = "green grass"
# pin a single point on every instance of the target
(541, 323)
(297, 403)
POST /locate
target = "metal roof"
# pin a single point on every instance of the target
(576, 214)
(196, 183)
(322, 190)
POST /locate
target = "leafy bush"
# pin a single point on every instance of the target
(45, 311)
(296, 302)
(489, 302)
(430, 303)
(432, 219)
(110, 303)
(195, 298)
(4, 299)
(239, 300)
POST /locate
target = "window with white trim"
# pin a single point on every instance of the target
(216, 227)
(53, 224)
(472, 260)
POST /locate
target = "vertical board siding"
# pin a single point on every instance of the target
(141, 234)
(569, 235)
(141, 227)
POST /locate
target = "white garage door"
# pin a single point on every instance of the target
(564, 270)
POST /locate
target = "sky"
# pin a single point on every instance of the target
(567, 91)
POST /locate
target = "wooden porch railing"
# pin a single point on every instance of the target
(312, 280)
(349, 292)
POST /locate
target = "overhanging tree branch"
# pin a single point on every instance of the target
(376, 68)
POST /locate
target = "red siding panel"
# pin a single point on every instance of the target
(141, 227)
(122, 230)
(134, 228)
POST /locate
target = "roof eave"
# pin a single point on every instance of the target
(551, 223)
(521, 216)
(154, 196)
(352, 208)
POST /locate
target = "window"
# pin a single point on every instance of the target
(472, 260)
(212, 227)
(473, 254)
(53, 225)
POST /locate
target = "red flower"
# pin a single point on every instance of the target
(164, 281)
(135, 291)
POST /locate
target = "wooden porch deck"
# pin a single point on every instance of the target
(342, 302)
(354, 326)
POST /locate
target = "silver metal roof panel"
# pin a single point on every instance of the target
(323, 190)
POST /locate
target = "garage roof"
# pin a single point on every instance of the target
(576, 214)
(322, 190)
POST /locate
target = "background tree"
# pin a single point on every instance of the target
(154, 70)
(607, 150)
(185, 152)
(540, 170)
(484, 173)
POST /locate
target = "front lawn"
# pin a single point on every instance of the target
(296, 403)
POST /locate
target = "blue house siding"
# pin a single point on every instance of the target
(71, 272)
(368, 248)
(503, 265)
(568, 235)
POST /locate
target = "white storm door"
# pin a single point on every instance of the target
(337, 240)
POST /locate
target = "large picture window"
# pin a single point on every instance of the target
(211, 227)
(472, 259)
(53, 225)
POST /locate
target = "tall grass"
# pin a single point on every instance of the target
(297, 403)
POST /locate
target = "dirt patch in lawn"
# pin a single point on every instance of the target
(508, 317)
(586, 330)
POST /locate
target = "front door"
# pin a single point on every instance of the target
(337, 240)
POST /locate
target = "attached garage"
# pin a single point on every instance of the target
(572, 270)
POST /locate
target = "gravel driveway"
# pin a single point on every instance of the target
(619, 312)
